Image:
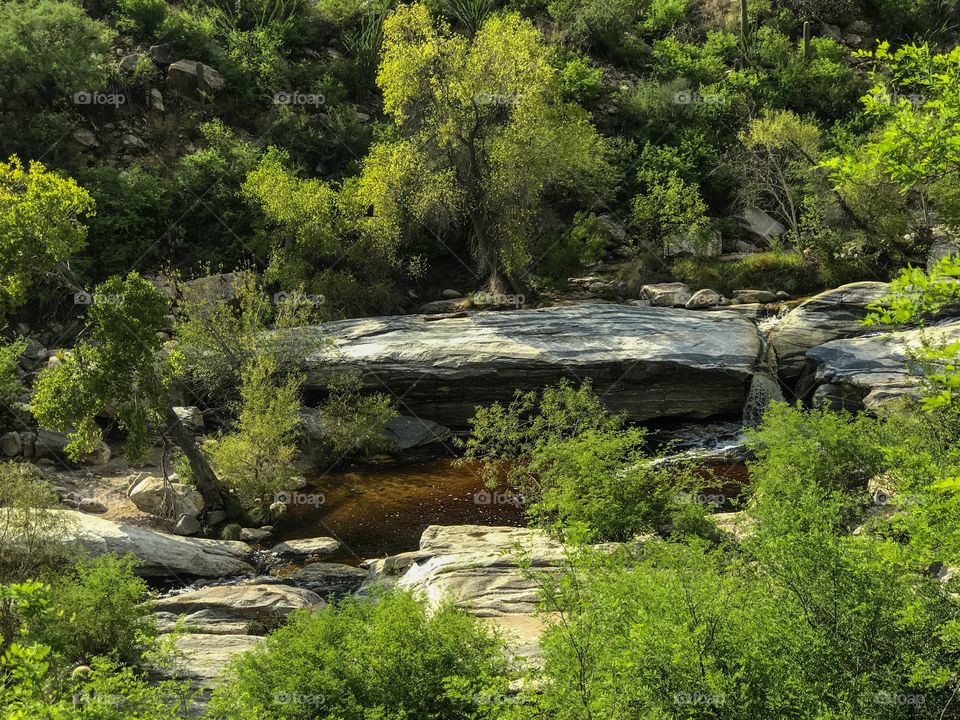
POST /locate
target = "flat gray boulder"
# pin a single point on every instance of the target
(306, 547)
(159, 554)
(649, 362)
(875, 367)
(828, 316)
(240, 601)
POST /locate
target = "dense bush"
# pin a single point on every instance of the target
(365, 658)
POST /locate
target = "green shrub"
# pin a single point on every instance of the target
(383, 657)
(101, 611)
(575, 466)
(143, 18)
(10, 384)
(766, 270)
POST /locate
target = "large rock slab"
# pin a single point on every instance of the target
(204, 656)
(478, 568)
(240, 601)
(159, 554)
(825, 317)
(648, 362)
(875, 367)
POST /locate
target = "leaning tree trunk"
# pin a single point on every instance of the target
(203, 476)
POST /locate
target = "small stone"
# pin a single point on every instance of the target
(132, 142)
(307, 546)
(755, 296)
(187, 525)
(161, 54)
(129, 63)
(11, 445)
(91, 505)
(703, 299)
(254, 535)
(85, 138)
(155, 99)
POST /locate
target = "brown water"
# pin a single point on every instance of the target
(379, 511)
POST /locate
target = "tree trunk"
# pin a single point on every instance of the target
(203, 476)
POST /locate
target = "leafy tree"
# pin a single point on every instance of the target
(31, 539)
(482, 139)
(49, 50)
(41, 227)
(364, 658)
(576, 467)
(916, 101)
(120, 366)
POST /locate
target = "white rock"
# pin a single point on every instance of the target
(666, 294)
(307, 546)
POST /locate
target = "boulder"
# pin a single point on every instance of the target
(250, 602)
(158, 554)
(828, 316)
(11, 445)
(52, 444)
(254, 535)
(755, 296)
(85, 138)
(704, 244)
(673, 294)
(91, 505)
(186, 525)
(479, 568)
(203, 656)
(306, 547)
(161, 54)
(702, 299)
(129, 63)
(649, 362)
(451, 294)
(155, 100)
(941, 250)
(155, 496)
(761, 227)
(190, 78)
(191, 418)
(133, 143)
(872, 368)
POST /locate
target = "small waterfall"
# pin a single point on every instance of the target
(764, 386)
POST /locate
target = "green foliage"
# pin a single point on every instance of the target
(41, 225)
(915, 95)
(49, 50)
(353, 423)
(32, 540)
(670, 202)
(256, 459)
(119, 366)
(483, 137)
(131, 226)
(773, 270)
(101, 612)
(143, 18)
(385, 657)
(10, 385)
(575, 466)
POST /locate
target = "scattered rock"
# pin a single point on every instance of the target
(161, 54)
(192, 79)
(450, 294)
(91, 505)
(703, 299)
(129, 63)
(85, 138)
(155, 100)
(755, 296)
(153, 495)
(254, 535)
(673, 294)
(188, 525)
(132, 142)
(191, 418)
(11, 445)
(306, 547)
(215, 517)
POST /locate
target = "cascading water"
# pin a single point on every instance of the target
(764, 386)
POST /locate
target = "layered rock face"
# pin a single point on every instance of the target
(649, 362)
(872, 368)
(158, 554)
(828, 316)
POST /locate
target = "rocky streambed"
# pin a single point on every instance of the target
(428, 526)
